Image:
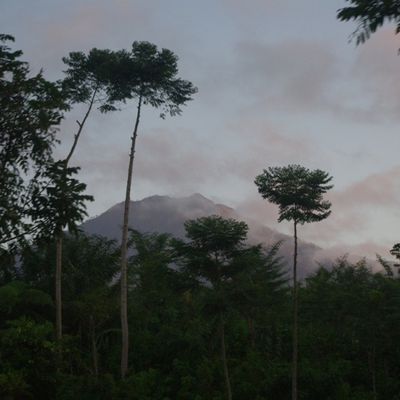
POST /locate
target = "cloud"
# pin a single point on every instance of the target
(381, 189)
(307, 76)
(287, 73)
(354, 253)
(255, 143)
(376, 70)
(364, 211)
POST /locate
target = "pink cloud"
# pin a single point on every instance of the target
(380, 189)
(354, 212)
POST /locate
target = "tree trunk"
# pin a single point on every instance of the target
(80, 125)
(252, 332)
(59, 241)
(223, 356)
(124, 250)
(371, 362)
(95, 357)
(295, 319)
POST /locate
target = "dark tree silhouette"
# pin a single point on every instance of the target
(148, 75)
(31, 109)
(215, 255)
(299, 194)
(370, 15)
(61, 204)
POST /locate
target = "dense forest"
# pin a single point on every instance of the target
(154, 317)
(348, 323)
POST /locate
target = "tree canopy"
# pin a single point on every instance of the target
(298, 191)
(150, 75)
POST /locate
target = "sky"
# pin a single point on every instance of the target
(278, 82)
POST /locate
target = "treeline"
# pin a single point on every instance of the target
(202, 313)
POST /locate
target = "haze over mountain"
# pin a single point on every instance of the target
(167, 214)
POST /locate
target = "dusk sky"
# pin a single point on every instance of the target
(279, 83)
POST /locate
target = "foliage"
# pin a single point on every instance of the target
(215, 243)
(298, 192)
(31, 110)
(370, 16)
(62, 203)
(149, 74)
(28, 354)
(348, 323)
(89, 76)
(195, 305)
(8, 269)
(395, 251)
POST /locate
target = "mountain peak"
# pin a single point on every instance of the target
(166, 214)
(198, 196)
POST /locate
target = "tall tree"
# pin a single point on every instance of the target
(31, 110)
(299, 194)
(88, 79)
(148, 75)
(370, 15)
(60, 205)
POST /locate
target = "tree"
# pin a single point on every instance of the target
(90, 300)
(350, 320)
(88, 80)
(299, 194)
(395, 251)
(370, 15)
(31, 109)
(62, 204)
(155, 300)
(149, 76)
(258, 288)
(214, 256)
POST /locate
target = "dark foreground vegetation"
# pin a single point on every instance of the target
(194, 310)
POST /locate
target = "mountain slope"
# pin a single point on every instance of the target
(167, 214)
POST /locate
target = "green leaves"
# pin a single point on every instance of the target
(370, 15)
(62, 203)
(149, 74)
(298, 192)
(216, 233)
(89, 76)
(395, 251)
(31, 110)
(117, 76)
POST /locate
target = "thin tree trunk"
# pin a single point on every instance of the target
(95, 357)
(59, 237)
(124, 250)
(80, 125)
(252, 332)
(371, 361)
(295, 319)
(59, 241)
(223, 356)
